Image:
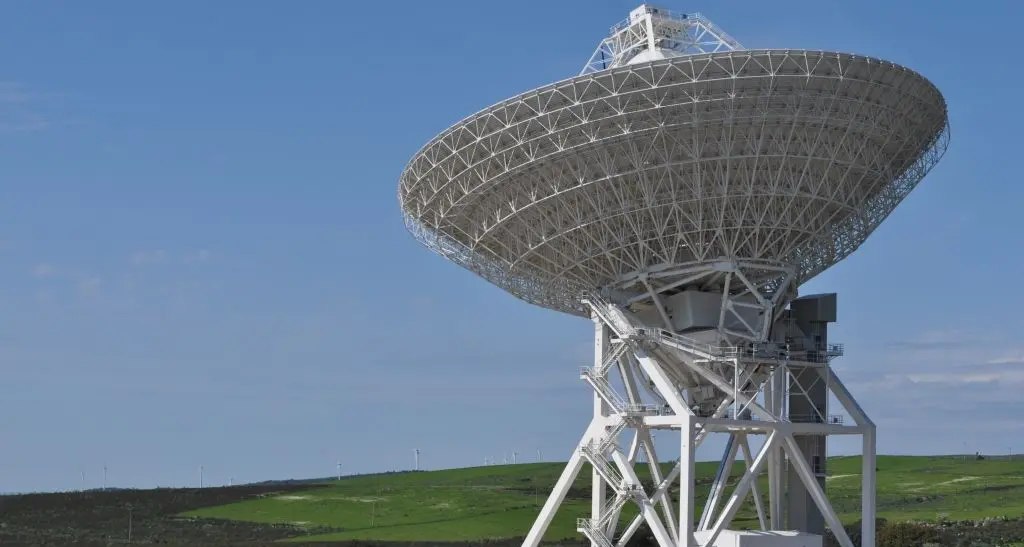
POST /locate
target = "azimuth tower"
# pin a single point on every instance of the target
(677, 192)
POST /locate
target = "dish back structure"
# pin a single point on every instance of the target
(678, 191)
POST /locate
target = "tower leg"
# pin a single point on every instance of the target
(680, 375)
(658, 478)
(867, 531)
(775, 395)
(742, 488)
(817, 493)
(687, 479)
(808, 400)
(557, 496)
(748, 457)
(718, 485)
(599, 492)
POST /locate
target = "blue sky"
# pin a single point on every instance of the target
(202, 261)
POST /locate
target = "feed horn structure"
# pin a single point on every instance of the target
(678, 192)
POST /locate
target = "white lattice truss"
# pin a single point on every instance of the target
(676, 161)
(748, 392)
(595, 183)
(650, 28)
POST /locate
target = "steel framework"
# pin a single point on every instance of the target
(746, 388)
(678, 192)
(788, 157)
(653, 33)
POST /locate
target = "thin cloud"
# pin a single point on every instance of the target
(14, 92)
(18, 109)
(44, 270)
(1011, 359)
(89, 285)
(940, 340)
(967, 378)
(148, 258)
(160, 257)
(84, 282)
(1000, 370)
(17, 122)
(198, 257)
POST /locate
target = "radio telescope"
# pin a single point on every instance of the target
(678, 192)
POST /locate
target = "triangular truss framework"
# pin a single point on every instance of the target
(649, 28)
(653, 365)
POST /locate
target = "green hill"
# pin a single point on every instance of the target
(502, 501)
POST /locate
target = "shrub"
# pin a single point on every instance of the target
(906, 534)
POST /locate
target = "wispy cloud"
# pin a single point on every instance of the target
(19, 109)
(1015, 358)
(197, 257)
(1005, 370)
(44, 270)
(937, 340)
(13, 92)
(84, 282)
(922, 389)
(969, 377)
(160, 257)
(89, 284)
(148, 258)
(120, 284)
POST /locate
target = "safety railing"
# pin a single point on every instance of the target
(604, 389)
(601, 464)
(593, 533)
(815, 418)
(764, 351)
(661, 13)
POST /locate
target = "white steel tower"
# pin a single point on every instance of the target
(677, 192)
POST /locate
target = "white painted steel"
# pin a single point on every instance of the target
(679, 161)
(647, 350)
(651, 33)
(789, 158)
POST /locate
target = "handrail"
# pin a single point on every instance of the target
(663, 14)
(595, 455)
(593, 532)
(813, 418)
(603, 388)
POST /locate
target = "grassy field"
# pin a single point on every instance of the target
(502, 501)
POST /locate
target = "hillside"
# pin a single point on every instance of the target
(460, 505)
(103, 517)
(502, 501)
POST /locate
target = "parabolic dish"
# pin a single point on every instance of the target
(789, 157)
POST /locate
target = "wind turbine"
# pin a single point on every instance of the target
(416, 456)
